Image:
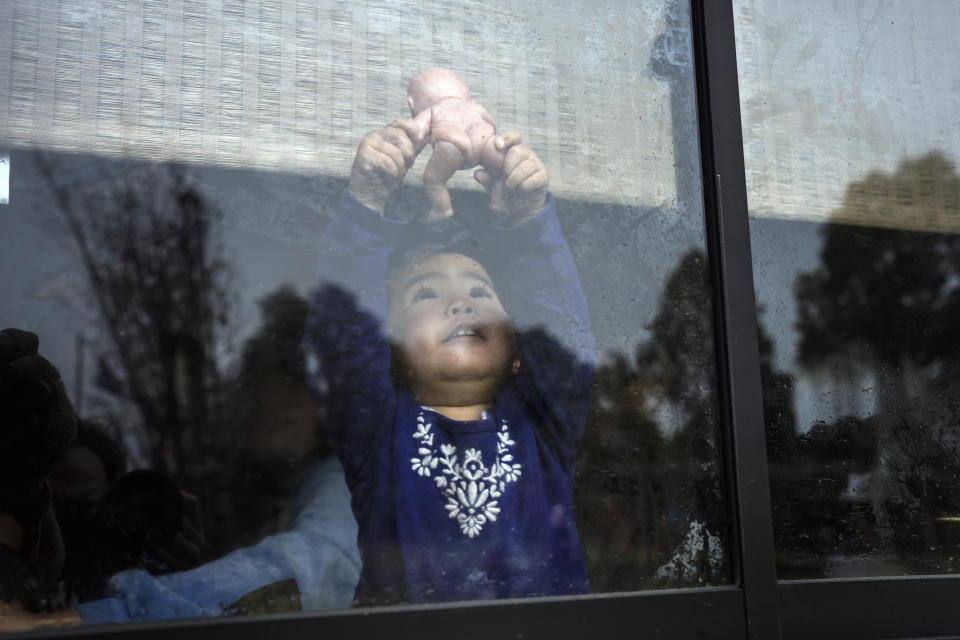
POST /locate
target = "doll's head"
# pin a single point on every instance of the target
(453, 342)
(431, 85)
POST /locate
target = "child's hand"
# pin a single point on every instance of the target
(382, 161)
(518, 187)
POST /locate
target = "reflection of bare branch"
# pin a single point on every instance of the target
(145, 239)
(97, 278)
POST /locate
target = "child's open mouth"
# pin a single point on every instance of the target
(465, 331)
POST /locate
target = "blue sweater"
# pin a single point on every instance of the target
(452, 510)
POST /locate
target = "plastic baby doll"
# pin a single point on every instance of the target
(461, 131)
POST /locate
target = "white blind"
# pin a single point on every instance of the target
(294, 84)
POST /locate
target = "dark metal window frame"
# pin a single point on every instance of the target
(755, 605)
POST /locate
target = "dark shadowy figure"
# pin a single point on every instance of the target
(112, 521)
(274, 425)
(36, 423)
(68, 518)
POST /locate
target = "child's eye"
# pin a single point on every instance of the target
(480, 291)
(423, 293)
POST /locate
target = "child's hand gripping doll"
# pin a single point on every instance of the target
(462, 133)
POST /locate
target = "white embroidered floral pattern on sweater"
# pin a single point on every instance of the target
(472, 489)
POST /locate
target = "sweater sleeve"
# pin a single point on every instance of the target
(319, 553)
(347, 352)
(557, 348)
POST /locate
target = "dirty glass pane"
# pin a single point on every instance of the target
(851, 137)
(174, 172)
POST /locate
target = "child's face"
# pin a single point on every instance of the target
(450, 330)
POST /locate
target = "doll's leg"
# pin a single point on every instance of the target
(491, 159)
(444, 162)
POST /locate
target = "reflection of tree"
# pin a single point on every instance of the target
(649, 472)
(681, 361)
(815, 515)
(887, 292)
(885, 303)
(620, 495)
(145, 237)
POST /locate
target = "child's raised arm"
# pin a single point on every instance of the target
(543, 286)
(346, 346)
(543, 295)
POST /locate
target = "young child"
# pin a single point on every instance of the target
(457, 423)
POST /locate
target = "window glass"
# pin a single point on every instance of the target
(192, 231)
(851, 139)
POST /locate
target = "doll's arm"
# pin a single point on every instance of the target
(462, 135)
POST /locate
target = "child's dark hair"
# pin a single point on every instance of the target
(419, 241)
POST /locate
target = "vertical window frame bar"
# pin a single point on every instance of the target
(735, 314)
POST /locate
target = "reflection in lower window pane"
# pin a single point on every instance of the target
(855, 210)
(868, 486)
(257, 437)
(173, 300)
(649, 490)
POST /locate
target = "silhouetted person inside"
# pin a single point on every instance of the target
(36, 423)
(275, 427)
(68, 518)
(111, 521)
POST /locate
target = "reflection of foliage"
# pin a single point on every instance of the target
(887, 290)
(814, 514)
(886, 302)
(924, 503)
(621, 506)
(146, 240)
(810, 473)
(680, 359)
(645, 482)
